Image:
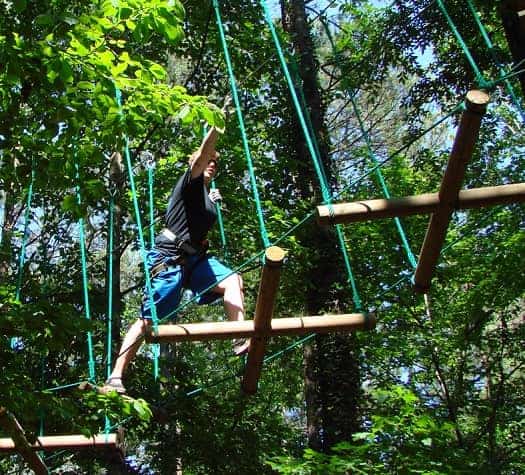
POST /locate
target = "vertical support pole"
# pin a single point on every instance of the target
(15, 431)
(466, 136)
(263, 317)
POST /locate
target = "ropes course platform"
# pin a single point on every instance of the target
(441, 205)
(18, 442)
(262, 326)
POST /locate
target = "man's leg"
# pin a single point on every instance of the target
(132, 341)
(233, 294)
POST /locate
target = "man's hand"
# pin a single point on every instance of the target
(227, 108)
(215, 195)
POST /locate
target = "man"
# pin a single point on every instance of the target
(179, 259)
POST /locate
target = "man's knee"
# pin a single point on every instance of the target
(141, 325)
(235, 281)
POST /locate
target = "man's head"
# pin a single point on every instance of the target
(211, 168)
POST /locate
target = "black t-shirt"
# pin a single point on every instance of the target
(190, 214)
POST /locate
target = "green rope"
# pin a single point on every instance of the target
(110, 284)
(118, 96)
(235, 95)
(85, 282)
(410, 255)
(346, 259)
(151, 171)
(219, 214)
(22, 257)
(151, 168)
(295, 70)
(501, 71)
(110, 295)
(313, 149)
(324, 188)
(482, 83)
(221, 225)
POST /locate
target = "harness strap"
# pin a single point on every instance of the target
(184, 246)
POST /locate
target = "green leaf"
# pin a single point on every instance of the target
(78, 48)
(118, 69)
(108, 8)
(45, 19)
(85, 85)
(157, 70)
(131, 25)
(20, 5)
(69, 203)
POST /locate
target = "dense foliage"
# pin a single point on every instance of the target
(442, 376)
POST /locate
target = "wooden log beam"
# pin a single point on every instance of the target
(343, 213)
(246, 329)
(50, 443)
(466, 136)
(20, 443)
(262, 321)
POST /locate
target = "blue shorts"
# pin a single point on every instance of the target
(199, 273)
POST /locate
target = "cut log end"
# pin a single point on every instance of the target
(370, 321)
(477, 100)
(274, 256)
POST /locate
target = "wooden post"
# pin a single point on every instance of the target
(205, 331)
(271, 273)
(344, 213)
(50, 443)
(466, 136)
(20, 443)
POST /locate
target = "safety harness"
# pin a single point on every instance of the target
(184, 248)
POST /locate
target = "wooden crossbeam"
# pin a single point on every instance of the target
(50, 443)
(466, 137)
(20, 443)
(344, 213)
(205, 331)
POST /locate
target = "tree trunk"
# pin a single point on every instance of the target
(117, 178)
(332, 384)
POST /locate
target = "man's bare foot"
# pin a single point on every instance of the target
(241, 346)
(113, 384)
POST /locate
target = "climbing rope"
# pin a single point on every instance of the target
(109, 326)
(313, 149)
(386, 192)
(111, 251)
(218, 210)
(482, 83)
(150, 165)
(501, 71)
(142, 245)
(22, 257)
(235, 96)
(85, 282)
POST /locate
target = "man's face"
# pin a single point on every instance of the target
(211, 168)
